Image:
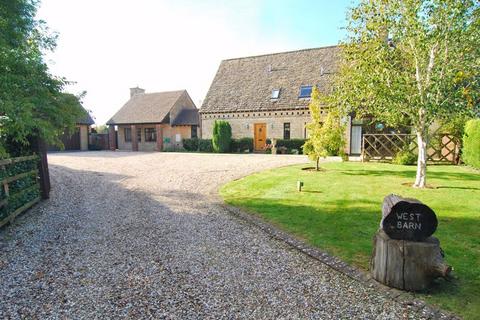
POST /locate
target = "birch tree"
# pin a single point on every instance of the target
(411, 62)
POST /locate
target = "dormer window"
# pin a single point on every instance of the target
(305, 92)
(275, 94)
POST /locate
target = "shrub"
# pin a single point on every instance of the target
(405, 157)
(471, 143)
(240, 145)
(291, 144)
(222, 136)
(205, 145)
(190, 144)
(173, 148)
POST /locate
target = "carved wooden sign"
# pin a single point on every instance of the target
(407, 219)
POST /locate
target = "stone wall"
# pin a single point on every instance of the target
(242, 123)
(84, 129)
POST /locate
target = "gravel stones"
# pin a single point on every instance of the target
(139, 235)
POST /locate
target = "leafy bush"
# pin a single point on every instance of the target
(173, 148)
(405, 157)
(471, 143)
(205, 145)
(190, 144)
(222, 136)
(22, 190)
(240, 145)
(291, 144)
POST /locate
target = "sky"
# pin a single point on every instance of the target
(105, 47)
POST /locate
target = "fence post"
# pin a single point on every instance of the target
(40, 148)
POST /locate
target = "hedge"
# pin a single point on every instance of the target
(190, 144)
(205, 145)
(291, 144)
(240, 145)
(471, 143)
(21, 174)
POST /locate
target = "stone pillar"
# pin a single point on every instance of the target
(158, 128)
(133, 130)
(84, 137)
(112, 138)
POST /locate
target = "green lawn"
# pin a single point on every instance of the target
(340, 210)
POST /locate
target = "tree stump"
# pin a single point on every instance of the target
(405, 255)
(407, 265)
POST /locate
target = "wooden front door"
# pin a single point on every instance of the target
(260, 136)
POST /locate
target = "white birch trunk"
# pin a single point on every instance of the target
(421, 178)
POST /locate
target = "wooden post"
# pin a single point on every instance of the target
(40, 148)
(299, 185)
(133, 131)
(112, 137)
(159, 130)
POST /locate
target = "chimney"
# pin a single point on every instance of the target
(135, 91)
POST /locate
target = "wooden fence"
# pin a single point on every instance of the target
(442, 148)
(19, 186)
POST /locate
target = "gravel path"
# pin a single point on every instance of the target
(138, 235)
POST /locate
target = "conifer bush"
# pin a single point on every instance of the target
(222, 136)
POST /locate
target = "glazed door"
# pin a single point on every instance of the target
(260, 136)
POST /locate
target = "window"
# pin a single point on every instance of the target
(128, 134)
(275, 94)
(286, 130)
(139, 135)
(305, 92)
(194, 132)
(150, 135)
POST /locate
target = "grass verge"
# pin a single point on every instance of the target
(339, 210)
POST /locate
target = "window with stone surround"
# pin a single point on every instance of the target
(150, 135)
(286, 131)
(305, 92)
(128, 134)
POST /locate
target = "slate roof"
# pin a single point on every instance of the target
(246, 84)
(147, 108)
(186, 117)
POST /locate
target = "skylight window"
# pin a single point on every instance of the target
(305, 92)
(275, 94)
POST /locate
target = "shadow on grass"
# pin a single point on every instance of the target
(411, 174)
(311, 191)
(461, 188)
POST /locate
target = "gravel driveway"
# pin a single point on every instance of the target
(139, 235)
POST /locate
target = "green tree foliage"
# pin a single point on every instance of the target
(31, 100)
(411, 62)
(222, 136)
(325, 135)
(471, 143)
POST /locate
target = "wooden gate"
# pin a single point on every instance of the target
(442, 148)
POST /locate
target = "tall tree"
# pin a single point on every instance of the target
(31, 100)
(411, 62)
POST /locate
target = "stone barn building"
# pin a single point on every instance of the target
(267, 96)
(154, 121)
